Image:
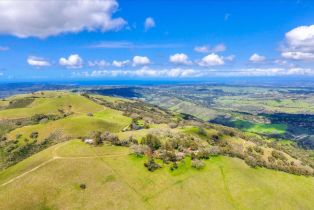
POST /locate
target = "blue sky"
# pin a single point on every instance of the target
(104, 39)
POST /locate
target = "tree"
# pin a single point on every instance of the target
(152, 141)
(151, 165)
(198, 164)
(97, 138)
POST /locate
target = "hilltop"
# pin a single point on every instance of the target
(140, 157)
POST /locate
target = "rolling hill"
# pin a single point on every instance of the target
(45, 163)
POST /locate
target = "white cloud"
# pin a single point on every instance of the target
(180, 58)
(149, 23)
(280, 62)
(41, 19)
(205, 48)
(120, 63)
(255, 58)
(73, 61)
(143, 72)
(140, 60)
(211, 60)
(298, 55)
(201, 49)
(2, 48)
(99, 64)
(299, 44)
(36, 61)
(230, 57)
(219, 48)
(195, 73)
(301, 39)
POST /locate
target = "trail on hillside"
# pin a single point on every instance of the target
(56, 157)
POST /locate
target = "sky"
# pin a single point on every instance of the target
(157, 39)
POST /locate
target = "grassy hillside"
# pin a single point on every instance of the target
(76, 126)
(50, 103)
(41, 168)
(116, 180)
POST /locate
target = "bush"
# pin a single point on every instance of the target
(173, 125)
(34, 135)
(259, 150)
(201, 131)
(139, 150)
(152, 141)
(203, 153)
(151, 165)
(279, 155)
(214, 151)
(174, 166)
(198, 164)
(251, 161)
(83, 186)
(97, 138)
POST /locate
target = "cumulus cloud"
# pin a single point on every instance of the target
(212, 60)
(143, 72)
(230, 57)
(73, 61)
(140, 60)
(205, 48)
(299, 43)
(120, 63)
(149, 23)
(99, 64)
(45, 18)
(255, 58)
(195, 73)
(219, 48)
(201, 49)
(37, 61)
(180, 58)
(298, 55)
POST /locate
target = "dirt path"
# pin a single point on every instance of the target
(56, 157)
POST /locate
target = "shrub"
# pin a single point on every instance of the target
(173, 125)
(83, 186)
(271, 159)
(174, 166)
(152, 141)
(259, 150)
(139, 150)
(214, 151)
(198, 164)
(251, 161)
(34, 135)
(151, 165)
(279, 155)
(97, 138)
(201, 131)
(203, 153)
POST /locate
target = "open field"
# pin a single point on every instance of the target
(116, 180)
(51, 103)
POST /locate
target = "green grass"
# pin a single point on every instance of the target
(76, 126)
(50, 103)
(122, 182)
(260, 128)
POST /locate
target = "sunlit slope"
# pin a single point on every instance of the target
(116, 180)
(77, 125)
(51, 103)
